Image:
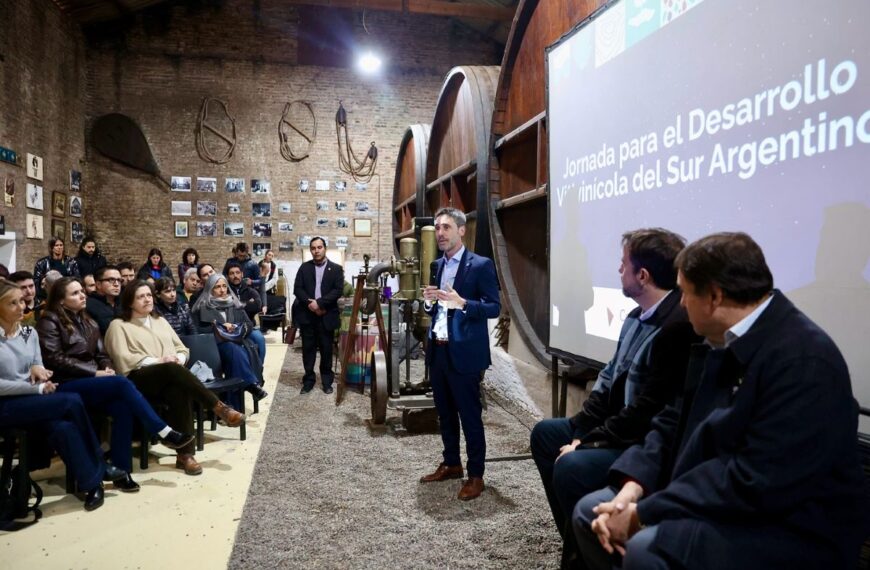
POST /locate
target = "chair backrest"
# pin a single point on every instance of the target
(204, 347)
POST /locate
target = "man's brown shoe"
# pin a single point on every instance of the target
(471, 489)
(443, 473)
(187, 462)
(230, 416)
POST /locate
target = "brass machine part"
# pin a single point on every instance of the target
(428, 252)
(408, 265)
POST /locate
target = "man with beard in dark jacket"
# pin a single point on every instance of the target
(89, 257)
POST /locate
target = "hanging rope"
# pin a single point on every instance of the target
(360, 170)
(284, 127)
(203, 124)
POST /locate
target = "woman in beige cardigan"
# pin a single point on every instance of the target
(146, 350)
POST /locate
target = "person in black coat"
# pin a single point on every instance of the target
(103, 305)
(317, 288)
(154, 268)
(756, 465)
(573, 455)
(89, 258)
(176, 313)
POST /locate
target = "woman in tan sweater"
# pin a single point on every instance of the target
(144, 348)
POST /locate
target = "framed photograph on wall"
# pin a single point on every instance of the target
(285, 208)
(362, 227)
(261, 209)
(206, 184)
(206, 208)
(285, 227)
(58, 228)
(33, 197)
(234, 208)
(75, 181)
(286, 246)
(206, 229)
(75, 207)
(34, 167)
(77, 232)
(234, 229)
(181, 230)
(322, 222)
(341, 241)
(259, 186)
(180, 184)
(34, 226)
(260, 229)
(234, 185)
(260, 248)
(58, 205)
(303, 186)
(180, 208)
(9, 191)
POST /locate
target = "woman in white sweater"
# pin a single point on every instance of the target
(28, 401)
(145, 349)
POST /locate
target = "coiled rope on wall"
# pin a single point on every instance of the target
(360, 170)
(285, 124)
(203, 124)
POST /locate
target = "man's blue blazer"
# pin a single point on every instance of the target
(477, 283)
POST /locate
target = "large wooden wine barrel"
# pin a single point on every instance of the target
(458, 161)
(410, 182)
(518, 165)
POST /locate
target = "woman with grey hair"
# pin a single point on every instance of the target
(218, 310)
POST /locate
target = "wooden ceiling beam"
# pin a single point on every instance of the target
(433, 7)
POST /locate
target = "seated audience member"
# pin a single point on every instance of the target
(756, 466)
(646, 372)
(55, 260)
(176, 314)
(90, 284)
(102, 304)
(89, 258)
(189, 260)
(218, 306)
(72, 350)
(242, 256)
(252, 303)
(204, 271)
(145, 349)
(128, 272)
(189, 287)
(28, 400)
(249, 297)
(32, 306)
(270, 279)
(154, 267)
(50, 279)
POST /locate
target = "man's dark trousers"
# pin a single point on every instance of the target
(316, 337)
(457, 398)
(575, 475)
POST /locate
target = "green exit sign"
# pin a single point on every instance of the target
(8, 155)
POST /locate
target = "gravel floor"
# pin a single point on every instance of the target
(328, 492)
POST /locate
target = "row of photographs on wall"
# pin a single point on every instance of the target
(209, 229)
(258, 209)
(237, 229)
(34, 228)
(35, 170)
(258, 185)
(33, 199)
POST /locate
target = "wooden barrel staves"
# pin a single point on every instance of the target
(410, 182)
(456, 168)
(518, 165)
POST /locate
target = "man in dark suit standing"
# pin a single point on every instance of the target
(463, 295)
(756, 466)
(317, 288)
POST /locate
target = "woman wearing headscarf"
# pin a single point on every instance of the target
(73, 350)
(145, 349)
(218, 309)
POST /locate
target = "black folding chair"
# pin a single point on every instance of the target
(203, 347)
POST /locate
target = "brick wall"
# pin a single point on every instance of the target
(42, 110)
(159, 66)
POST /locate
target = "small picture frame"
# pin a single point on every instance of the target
(362, 227)
(58, 229)
(77, 232)
(33, 229)
(181, 229)
(34, 168)
(180, 184)
(75, 181)
(58, 206)
(75, 207)
(33, 197)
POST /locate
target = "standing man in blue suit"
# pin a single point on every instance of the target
(463, 295)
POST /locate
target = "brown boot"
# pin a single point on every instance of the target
(471, 489)
(230, 416)
(187, 462)
(443, 473)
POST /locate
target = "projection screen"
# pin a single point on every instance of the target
(706, 116)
